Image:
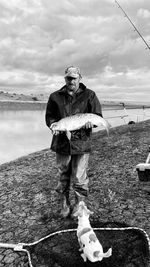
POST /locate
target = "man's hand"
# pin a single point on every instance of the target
(88, 125)
(55, 132)
(52, 128)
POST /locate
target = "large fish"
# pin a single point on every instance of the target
(78, 121)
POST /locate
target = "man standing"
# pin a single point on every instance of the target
(72, 155)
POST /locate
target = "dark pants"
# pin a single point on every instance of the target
(72, 168)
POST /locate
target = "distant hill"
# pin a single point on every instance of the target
(5, 96)
(14, 97)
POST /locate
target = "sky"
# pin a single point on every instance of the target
(40, 38)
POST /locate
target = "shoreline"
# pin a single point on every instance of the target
(36, 104)
(22, 105)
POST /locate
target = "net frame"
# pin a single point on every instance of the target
(20, 246)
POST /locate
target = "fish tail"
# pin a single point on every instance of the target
(68, 134)
(108, 126)
(107, 130)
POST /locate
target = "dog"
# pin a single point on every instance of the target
(88, 241)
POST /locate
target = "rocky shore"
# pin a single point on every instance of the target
(29, 208)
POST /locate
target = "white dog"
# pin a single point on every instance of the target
(89, 243)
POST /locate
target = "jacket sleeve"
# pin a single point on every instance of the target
(94, 105)
(51, 112)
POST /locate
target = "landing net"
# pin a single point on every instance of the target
(130, 248)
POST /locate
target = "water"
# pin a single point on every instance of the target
(24, 132)
(124, 116)
(21, 133)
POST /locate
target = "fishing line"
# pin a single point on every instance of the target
(135, 28)
(127, 114)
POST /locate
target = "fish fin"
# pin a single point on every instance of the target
(108, 127)
(109, 124)
(101, 127)
(107, 130)
(68, 134)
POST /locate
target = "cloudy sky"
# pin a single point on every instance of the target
(40, 38)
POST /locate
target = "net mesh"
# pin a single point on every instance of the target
(130, 248)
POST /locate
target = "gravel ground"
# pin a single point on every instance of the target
(30, 207)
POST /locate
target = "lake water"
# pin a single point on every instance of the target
(24, 132)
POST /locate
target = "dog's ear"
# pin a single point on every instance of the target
(89, 212)
(77, 214)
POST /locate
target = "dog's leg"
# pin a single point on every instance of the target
(83, 256)
(81, 245)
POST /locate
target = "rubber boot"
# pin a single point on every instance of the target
(65, 208)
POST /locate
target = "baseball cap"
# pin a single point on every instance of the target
(73, 72)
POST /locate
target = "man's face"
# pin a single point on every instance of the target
(72, 84)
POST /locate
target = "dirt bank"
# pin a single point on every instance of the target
(30, 207)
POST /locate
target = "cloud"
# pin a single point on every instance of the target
(143, 13)
(39, 38)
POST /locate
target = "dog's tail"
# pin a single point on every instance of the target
(108, 253)
(100, 256)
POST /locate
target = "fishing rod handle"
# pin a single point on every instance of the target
(6, 245)
(16, 247)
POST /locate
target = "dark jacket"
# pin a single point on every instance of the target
(60, 105)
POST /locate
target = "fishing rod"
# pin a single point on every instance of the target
(147, 46)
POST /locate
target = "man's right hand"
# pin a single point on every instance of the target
(52, 128)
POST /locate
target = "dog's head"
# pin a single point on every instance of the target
(82, 210)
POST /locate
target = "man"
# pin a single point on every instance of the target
(72, 155)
